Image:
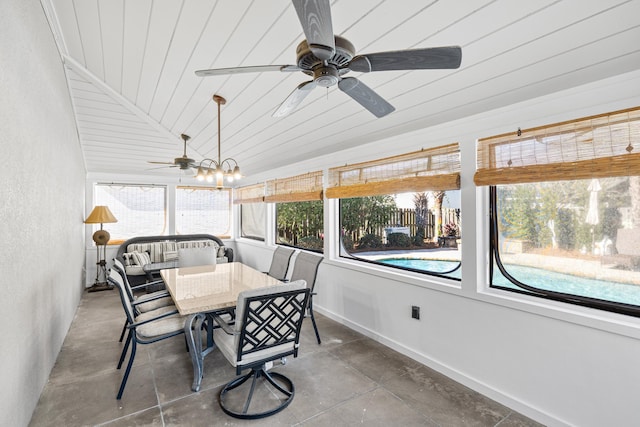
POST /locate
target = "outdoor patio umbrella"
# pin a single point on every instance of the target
(592, 211)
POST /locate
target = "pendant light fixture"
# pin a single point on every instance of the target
(218, 170)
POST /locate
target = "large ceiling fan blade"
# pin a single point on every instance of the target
(162, 163)
(240, 70)
(315, 17)
(448, 57)
(161, 167)
(294, 99)
(365, 96)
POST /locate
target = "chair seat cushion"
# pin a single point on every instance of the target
(163, 326)
(134, 270)
(155, 313)
(144, 303)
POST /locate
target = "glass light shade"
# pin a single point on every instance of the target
(200, 174)
(219, 181)
(236, 172)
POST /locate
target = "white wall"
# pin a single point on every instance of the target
(559, 364)
(41, 208)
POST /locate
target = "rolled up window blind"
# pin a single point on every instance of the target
(249, 194)
(430, 169)
(592, 147)
(299, 188)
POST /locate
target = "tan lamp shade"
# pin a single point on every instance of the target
(100, 215)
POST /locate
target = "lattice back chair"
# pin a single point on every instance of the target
(306, 268)
(145, 328)
(280, 262)
(267, 328)
(159, 300)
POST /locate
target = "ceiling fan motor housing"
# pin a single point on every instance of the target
(308, 61)
(326, 76)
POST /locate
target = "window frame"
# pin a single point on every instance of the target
(275, 223)
(118, 241)
(580, 300)
(240, 231)
(342, 253)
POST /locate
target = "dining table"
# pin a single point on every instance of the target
(201, 291)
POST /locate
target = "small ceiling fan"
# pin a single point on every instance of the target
(327, 57)
(184, 162)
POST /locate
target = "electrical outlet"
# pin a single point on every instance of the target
(415, 312)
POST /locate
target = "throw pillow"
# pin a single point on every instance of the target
(170, 256)
(127, 259)
(221, 251)
(141, 258)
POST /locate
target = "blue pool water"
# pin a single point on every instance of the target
(567, 283)
(543, 279)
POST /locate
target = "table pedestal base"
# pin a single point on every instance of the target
(100, 287)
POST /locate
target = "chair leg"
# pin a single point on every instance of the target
(124, 329)
(124, 350)
(126, 372)
(313, 319)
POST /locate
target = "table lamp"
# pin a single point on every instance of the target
(100, 215)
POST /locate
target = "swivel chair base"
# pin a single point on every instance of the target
(283, 385)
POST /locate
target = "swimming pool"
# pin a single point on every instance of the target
(570, 284)
(543, 279)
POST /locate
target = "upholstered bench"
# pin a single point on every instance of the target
(144, 256)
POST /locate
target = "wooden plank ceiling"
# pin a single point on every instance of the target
(131, 64)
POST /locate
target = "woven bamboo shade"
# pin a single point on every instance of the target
(425, 170)
(592, 147)
(299, 188)
(249, 194)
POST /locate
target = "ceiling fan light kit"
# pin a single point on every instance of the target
(327, 57)
(211, 170)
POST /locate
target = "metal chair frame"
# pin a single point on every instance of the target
(133, 337)
(268, 320)
(117, 265)
(280, 262)
(305, 268)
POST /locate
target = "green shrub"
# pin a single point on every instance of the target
(347, 242)
(565, 232)
(370, 241)
(311, 242)
(398, 240)
(418, 239)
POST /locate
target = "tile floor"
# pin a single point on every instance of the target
(348, 380)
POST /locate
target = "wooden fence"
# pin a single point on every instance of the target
(407, 218)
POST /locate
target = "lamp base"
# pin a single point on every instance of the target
(100, 287)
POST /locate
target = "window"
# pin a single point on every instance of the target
(565, 212)
(252, 211)
(203, 210)
(252, 221)
(299, 210)
(139, 209)
(403, 211)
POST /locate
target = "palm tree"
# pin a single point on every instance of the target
(421, 203)
(438, 197)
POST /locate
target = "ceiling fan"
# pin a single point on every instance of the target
(327, 57)
(184, 162)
